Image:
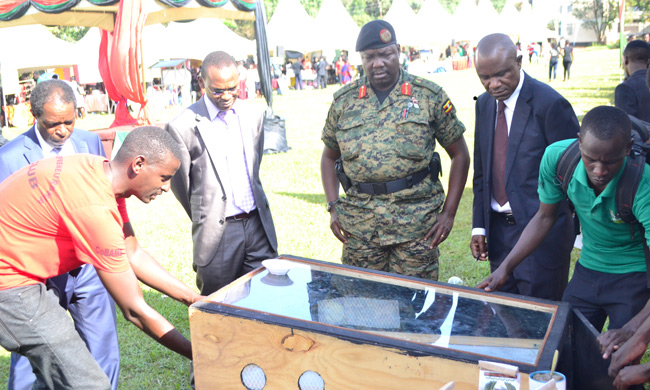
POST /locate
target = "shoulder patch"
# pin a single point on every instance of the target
(345, 89)
(430, 85)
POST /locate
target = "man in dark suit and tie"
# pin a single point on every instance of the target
(633, 95)
(53, 104)
(516, 119)
(218, 183)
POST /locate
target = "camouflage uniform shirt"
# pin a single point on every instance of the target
(378, 143)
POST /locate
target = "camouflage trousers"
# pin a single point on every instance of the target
(411, 258)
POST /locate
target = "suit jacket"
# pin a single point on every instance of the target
(542, 116)
(322, 68)
(633, 96)
(198, 182)
(25, 149)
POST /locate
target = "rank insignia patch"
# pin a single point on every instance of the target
(363, 90)
(406, 89)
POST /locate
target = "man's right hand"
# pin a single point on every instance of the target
(478, 247)
(495, 280)
(341, 234)
(612, 339)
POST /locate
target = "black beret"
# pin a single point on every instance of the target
(375, 35)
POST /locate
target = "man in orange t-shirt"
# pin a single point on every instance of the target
(59, 213)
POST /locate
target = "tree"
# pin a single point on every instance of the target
(597, 15)
(68, 33)
(449, 5)
(640, 5)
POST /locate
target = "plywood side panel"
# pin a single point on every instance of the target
(224, 345)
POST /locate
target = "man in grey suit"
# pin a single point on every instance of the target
(516, 119)
(218, 183)
(322, 73)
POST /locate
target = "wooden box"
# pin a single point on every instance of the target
(330, 326)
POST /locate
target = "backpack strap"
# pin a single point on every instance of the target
(628, 184)
(567, 164)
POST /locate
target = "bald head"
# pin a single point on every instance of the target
(496, 44)
(498, 66)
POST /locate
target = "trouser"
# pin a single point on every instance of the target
(552, 70)
(33, 324)
(242, 248)
(598, 295)
(411, 258)
(93, 312)
(298, 82)
(545, 272)
(322, 81)
(567, 69)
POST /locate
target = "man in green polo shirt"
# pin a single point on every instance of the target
(610, 278)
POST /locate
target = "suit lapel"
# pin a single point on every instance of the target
(211, 136)
(490, 127)
(79, 146)
(32, 151)
(518, 124)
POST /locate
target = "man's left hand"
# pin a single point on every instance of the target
(632, 375)
(628, 353)
(440, 229)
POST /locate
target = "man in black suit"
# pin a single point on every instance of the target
(516, 119)
(632, 95)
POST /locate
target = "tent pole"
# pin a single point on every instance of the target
(3, 104)
(144, 82)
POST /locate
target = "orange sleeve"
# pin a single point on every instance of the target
(97, 236)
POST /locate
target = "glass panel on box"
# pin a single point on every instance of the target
(397, 308)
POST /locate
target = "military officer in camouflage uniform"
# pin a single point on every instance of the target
(384, 128)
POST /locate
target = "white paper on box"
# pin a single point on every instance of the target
(498, 376)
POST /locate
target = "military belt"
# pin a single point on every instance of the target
(389, 187)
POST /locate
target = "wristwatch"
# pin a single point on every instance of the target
(331, 204)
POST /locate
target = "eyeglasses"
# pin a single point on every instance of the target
(219, 92)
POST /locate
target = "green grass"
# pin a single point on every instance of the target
(292, 183)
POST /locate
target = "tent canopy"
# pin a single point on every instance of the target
(176, 45)
(435, 25)
(168, 63)
(342, 30)
(91, 14)
(402, 18)
(292, 28)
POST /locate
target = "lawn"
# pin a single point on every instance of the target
(292, 183)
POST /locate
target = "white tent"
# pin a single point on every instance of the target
(435, 25)
(466, 21)
(402, 18)
(340, 31)
(486, 20)
(34, 48)
(292, 28)
(88, 60)
(177, 45)
(510, 20)
(533, 28)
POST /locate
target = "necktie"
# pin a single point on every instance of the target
(236, 158)
(56, 151)
(499, 156)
